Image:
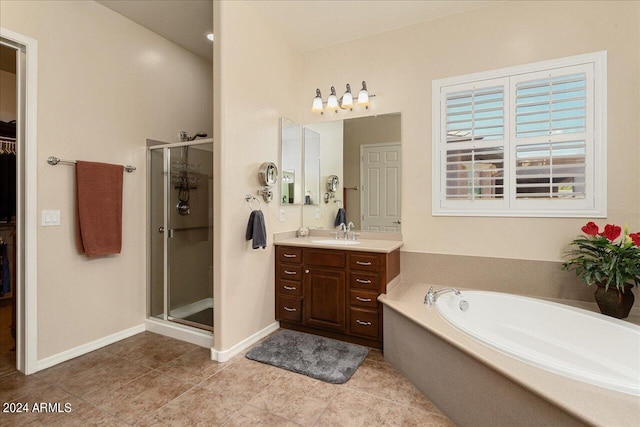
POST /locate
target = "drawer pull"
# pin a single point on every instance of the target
(363, 299)
(360, 322)
(289, 255)
(366, 282)
(363, 263)
(289, 288)
(292, 309)
(290, 272)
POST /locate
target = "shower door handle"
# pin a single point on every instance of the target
(161, 231)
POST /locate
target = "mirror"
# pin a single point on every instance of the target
(332, 183)
(365, 154)
(312, 157)
(290, 162)
(268, 174)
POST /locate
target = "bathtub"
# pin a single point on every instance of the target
(569, 341)
(511, 360)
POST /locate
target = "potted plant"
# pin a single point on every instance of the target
(610, 260)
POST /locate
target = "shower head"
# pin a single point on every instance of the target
(185, 137)
(199, 135)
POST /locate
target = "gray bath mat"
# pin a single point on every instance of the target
(318, 357)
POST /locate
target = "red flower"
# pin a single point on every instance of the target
(611, 232)
(591, 229)
(635, 237)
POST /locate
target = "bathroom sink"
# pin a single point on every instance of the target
(337, 242)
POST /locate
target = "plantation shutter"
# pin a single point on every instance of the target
(473, 139)
(551, 136)
(524, 141)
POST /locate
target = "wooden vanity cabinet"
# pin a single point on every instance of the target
(333, 292)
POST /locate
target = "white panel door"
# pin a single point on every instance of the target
(380, 178)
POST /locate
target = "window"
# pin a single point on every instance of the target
(522, 141)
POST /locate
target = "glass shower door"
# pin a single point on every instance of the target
(183, 239)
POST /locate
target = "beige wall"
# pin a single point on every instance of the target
(400, 65)
(105, 85)
(259, 83)
(8, 96)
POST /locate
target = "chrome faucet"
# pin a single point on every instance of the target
(431, 296)
(346, 228)
(349, 227)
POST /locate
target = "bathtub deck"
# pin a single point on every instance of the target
(586, 403)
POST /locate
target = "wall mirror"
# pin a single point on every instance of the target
(290, 162)
(311, 157)
(365, 154)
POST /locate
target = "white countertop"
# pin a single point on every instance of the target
(594, 405)
(365, 245)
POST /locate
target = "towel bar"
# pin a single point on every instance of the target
(52, 160)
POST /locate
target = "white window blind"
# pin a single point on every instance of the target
(474, 130)
(523, 141)
(551, 120)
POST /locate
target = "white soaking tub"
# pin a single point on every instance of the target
(476, 384)
(568, 341)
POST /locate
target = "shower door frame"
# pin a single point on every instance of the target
(166, 168)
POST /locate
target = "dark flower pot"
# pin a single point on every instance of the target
(613, 302)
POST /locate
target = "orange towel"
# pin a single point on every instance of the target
(99, 208)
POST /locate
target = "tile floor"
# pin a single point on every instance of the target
(152, 380)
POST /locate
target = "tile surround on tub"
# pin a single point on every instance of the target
(542, 279)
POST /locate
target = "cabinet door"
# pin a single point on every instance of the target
(324, 302)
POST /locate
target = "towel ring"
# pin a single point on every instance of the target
(249, 198)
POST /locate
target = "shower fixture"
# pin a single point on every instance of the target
(185, 137)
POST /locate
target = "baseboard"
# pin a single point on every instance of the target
(180, 332)
(226, 355)
(72, 353)
(193, 308)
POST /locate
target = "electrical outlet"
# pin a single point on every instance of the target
(282, 216)
(317, 213)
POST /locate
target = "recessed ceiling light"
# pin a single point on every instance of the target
(210, 36)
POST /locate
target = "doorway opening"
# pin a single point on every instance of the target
(8, 189)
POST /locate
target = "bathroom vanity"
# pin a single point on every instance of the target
(332, 289)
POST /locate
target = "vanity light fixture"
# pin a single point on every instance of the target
(332, 101)
(317, 103)
(346, 101)
(363, 96)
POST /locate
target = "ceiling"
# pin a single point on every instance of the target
(306, 24)
(184, 22)
(312, 24)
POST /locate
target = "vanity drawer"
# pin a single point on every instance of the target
(289, 254)
(325, 258)
(364, 299)
(364, 322)
(359, 280)
(289, 287)
(289, 308)
(289, 272)
(364, 262)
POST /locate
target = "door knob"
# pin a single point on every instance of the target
(160, 230)
(397, 222)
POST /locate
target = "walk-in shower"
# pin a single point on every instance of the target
(180, 233)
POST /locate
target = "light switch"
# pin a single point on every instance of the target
(50, 218)
(282, 216)
(317, 213)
